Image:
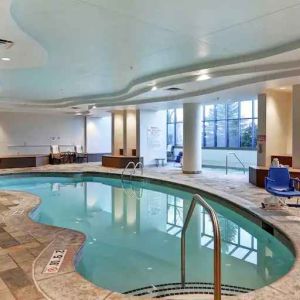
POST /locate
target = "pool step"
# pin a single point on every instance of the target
(172, 289)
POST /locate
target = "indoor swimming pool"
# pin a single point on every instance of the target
(133, 231)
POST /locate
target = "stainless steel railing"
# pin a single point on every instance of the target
(238, 159)
(127, 166)
(197, 199)
(141, 167)
(135, 166)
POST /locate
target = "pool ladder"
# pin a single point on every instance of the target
(135, 166)
(197, 199)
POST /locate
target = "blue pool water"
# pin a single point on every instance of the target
(133, 233)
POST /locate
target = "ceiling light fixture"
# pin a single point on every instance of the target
(203, 77)
(94, 107)
(78, 114)
(5, 58)
(154, 88)
(282, 88)
(203, 71)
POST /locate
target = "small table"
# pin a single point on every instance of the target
(157, 160)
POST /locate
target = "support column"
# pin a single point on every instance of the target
(85, 134)
(262, 130)
(192, 138)
(138, 133)
(117, 132)
(296, 126)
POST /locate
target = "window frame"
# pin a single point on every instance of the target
(175, 127)
(215, 120)
(227, 119)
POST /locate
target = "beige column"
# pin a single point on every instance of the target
(262, 130)
(130, 131)
(296, 126)
(117, 132)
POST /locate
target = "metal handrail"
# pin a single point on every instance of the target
(139, 164)
(127, 166)
(197, 199)
(235, 155)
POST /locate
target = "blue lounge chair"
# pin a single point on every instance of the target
(280, 184)
(178, 158)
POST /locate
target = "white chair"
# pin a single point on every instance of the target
(79, 154)
(55, 154)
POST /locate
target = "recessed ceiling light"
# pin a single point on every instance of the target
(5, 58)
(94, 106)
(154, 88)
(203, 77)
(282, 88)
(78, 114)
(203, 71)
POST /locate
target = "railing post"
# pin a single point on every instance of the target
(217, 244)
(234, 154)
(139, 164)
(130, 163)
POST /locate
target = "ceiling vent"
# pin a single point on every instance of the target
(174, 89)
(6, 43)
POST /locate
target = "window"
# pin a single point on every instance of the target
(209, 136)
(231, 125)
(179, 134)
(175, 127)
(246, 133)
(233, 110)
(171, 134)
(174, 215)
(233, 134)
(221, 133)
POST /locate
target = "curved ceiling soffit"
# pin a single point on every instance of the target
(127, 92)
(218, 88)
(186, 79)
(196, 93)
(26, 51)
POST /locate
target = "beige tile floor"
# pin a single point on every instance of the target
(25, 246)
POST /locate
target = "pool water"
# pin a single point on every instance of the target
(133, 233)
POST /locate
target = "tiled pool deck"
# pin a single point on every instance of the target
(26, 247)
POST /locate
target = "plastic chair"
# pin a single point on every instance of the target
(79, 154)
(280, 184)
(55, 154)
(178, 158)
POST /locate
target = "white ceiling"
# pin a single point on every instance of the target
(109, 52)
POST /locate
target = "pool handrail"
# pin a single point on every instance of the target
(127, 166)
(238, 159)
(197, 199)
(139, 164)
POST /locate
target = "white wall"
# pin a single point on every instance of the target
(217, 157)
(98, 134)
(37, 131)
(152, 147)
